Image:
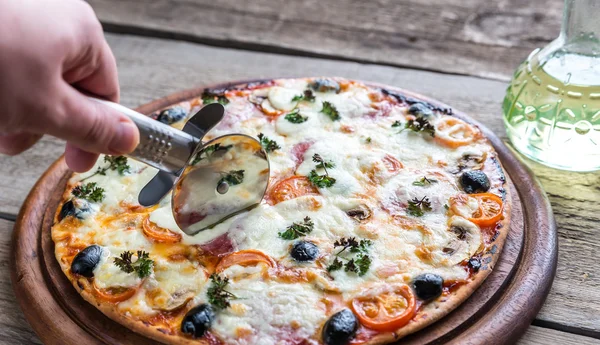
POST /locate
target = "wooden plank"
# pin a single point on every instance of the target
(544, 336)
(152, 68)
(473, 37)
(14, 329)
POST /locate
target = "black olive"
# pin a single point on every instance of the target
(325, 85)
(86, 260)
(198, 320)
(420, 110)
(359, 213)
(474, 181)
(340, 328)
(474, 264)
(68, 209)
(428, 286)
(304, 251)
(172, 115)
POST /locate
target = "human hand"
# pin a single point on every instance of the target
(49, 50)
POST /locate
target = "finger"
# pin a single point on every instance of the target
(100, 80)
(89, 125)
(13, 144)
(79, 160)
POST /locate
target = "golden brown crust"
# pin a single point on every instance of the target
(432, 312)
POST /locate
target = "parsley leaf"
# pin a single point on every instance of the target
(359, 264)
(115, 163)
(308, 96)
(420, 124)
(321, 181)
(416, 206)
(89, 191)
(335, 265)
(216, 293)
(233, 177)
(363, 262)
(268, 144)
(396, 124)
(322, 163)
(424, 181)
(142, 266)
(330, 110)
(214, 96)
(368, 140)
(208, 151)
(299, 229)
(295, 117)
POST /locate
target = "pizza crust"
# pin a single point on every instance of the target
(428, 315)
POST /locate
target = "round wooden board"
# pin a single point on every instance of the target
(498, 312)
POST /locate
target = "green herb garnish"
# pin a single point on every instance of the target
(322, 164)
(308, 96)
(330, 110)
(218, 297)
(268, 144)
(210, 96)
(368, 140)
(420, 124)
(142, 266)
(321, 181)
(299, 229)
(233, 177)
(397, 124)
(424, 181)
(335, 265)
(416, 206)
(208, 151)
(295, 117)
(115, 163)
(89, 191)
(358, 264)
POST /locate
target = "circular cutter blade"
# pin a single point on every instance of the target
(224, 177)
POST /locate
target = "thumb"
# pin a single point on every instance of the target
(92, 126)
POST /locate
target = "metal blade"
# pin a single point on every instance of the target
(228, 175)
(197, 126)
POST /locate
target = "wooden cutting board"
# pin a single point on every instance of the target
(498, 312)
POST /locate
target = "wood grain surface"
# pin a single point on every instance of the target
(151, 68)
(474, 37)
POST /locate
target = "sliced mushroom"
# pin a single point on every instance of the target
(359, 213)
(466, 241)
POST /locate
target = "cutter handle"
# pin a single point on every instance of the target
(161, 146)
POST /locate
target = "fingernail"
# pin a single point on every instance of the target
(126, 139)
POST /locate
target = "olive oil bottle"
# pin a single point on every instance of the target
(552, 105)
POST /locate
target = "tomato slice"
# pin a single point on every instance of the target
(158, 234)
(392, 164)
(114, 294)
(385, 309)
(291, 188)
(452, 132)
(244, 258)
(490, 209)
(483, 209)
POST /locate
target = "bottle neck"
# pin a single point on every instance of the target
(580, 29)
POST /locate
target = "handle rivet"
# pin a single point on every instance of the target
(223, 187)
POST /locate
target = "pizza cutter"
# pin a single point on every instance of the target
(211, 181)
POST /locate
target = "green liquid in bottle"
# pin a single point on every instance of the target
(552, 110)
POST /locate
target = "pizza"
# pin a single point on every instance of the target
(383, 213)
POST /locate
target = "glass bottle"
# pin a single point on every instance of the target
(552, 105)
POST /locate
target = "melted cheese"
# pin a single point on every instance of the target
(360, 145)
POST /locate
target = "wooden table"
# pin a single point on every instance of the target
(461, 52)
